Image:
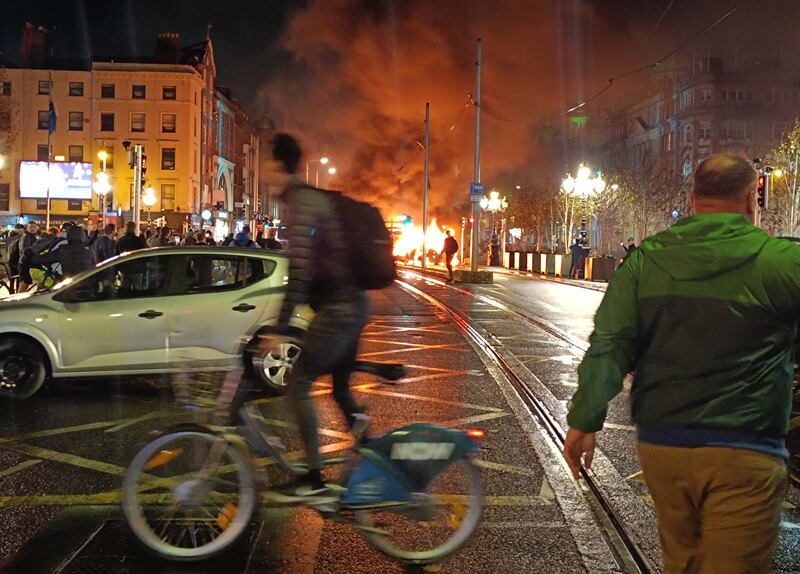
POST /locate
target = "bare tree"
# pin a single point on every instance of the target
(783, 215)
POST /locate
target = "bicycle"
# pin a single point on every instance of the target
(190, 493)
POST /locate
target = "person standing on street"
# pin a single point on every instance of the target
(449, 251)
(26, 242)
(130, 241)
(705, 314)
(161, 239)
(319, 275)
(104, 246)
(242, 239)
(73, 257)
(576, 261)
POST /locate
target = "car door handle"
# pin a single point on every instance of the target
(150, 314)
(243, 307)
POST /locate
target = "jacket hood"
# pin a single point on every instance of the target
(705, 246)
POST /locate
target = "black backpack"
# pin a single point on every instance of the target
(370, 255)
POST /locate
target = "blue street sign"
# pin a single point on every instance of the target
(476, 188)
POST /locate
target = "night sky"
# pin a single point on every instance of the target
(351, 77)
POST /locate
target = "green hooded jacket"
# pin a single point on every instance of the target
(705, 314)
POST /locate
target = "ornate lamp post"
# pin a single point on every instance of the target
(149, 199)
(583, 186)
(102, 185)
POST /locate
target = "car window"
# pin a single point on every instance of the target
(127, 279)
(211, 273)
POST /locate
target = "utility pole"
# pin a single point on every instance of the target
(476, 171)
(425, 187)
(137, 185)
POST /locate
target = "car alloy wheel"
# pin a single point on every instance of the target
(22, 369)
(274, 367)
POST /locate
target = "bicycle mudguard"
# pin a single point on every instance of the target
(403, 461)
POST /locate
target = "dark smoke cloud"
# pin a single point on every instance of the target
(361, 72)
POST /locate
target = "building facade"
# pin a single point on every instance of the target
(168, 103)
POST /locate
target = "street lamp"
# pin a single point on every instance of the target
(584, 186)
(323, 160)
(494, 203)
(2, 161)
(149, 199)
(101, 187)
(331, 170)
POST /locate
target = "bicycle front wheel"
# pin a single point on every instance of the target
(434, 524)
(188, 495)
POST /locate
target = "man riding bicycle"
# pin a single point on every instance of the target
(319, 275)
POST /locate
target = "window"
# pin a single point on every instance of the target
(76, 153)
(5, 89)
(107, 122)
(5, 121)
(705, 95)
(723, 133)
(42, 152)
(138, 122)
(142, 277)
(41, 204)
(777, 132)
(168, 158)
(668, 141)
(705, 133)
(169, 93)
(76, 88)
(210, 273)
(138, 91)
(76, 121)
(44, 88)
(740, 96)
(748, 96)
(109, 157)
(168, 196)
(108, 91)
(770, 96)
(43, 119)
(723, 96)
(687, 137)
(168, 123)
(74, 205)
(5, 196)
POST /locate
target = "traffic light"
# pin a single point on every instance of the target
(144, 164)
(763, 190)
(471, 219)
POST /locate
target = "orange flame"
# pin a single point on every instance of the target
(408, 243)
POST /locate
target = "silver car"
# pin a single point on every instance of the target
(152, 311)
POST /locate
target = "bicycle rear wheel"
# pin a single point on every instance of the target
(181, 511)
(435, 524)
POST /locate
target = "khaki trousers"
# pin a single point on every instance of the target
(718, 508)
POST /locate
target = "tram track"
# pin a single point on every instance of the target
(630, 556)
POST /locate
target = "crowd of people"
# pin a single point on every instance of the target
(35, 255)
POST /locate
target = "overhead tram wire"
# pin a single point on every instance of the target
(661, 60)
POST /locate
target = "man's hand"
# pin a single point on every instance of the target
(577, 445)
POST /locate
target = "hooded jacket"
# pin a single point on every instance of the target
(705, 314)
(242, 239)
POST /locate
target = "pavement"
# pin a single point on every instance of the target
(63, 453)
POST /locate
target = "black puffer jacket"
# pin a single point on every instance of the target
(74, 257)
(318, 268)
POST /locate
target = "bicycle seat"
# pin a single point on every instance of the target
(388, 371)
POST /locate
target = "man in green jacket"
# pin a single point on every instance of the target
(705, 315)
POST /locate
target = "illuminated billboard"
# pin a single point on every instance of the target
(68, 180)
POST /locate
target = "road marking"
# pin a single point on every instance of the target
(448, 346)
(428, 399)
(137, 420)
(474, 419)
(61, 430)
(433, 376)
(322, 431)
(18, 467)
(65, 458)
(619, 427)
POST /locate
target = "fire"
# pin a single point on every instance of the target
(408, 243)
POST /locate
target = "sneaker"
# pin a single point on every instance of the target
(304, 487)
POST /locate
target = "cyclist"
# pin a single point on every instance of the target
(706, 314)
(320, 276)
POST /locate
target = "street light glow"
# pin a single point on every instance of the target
(102, 155)
(323, 160)
(776, 172)
(331, 170)
(2, 161)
